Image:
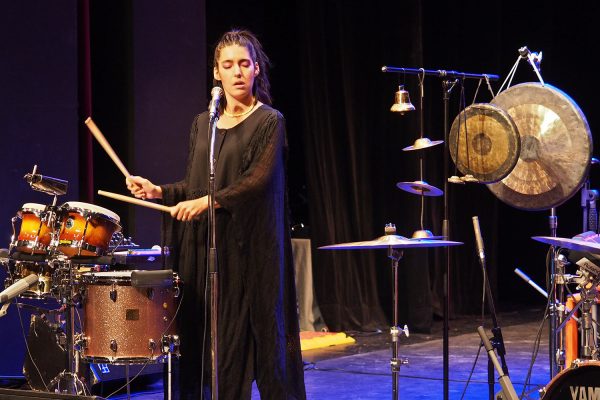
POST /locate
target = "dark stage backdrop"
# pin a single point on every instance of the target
(38, 124)
(148, 68)
(147, 82)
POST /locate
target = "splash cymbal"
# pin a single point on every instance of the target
(556, 147)
(420, 188)
(488, 144)
(423, 143)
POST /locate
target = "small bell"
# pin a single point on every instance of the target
(402, 102)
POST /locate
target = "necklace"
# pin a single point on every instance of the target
(242, 113)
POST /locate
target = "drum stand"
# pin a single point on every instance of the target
(68, 381)
(170, 346)
(395, 331)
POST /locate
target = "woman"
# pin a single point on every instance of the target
(258, 326)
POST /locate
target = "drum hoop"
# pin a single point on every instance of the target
(564, 374)
(33, 206)
(106, 278)
(86, 208)
(123, 360)
(80, 244)
(33, 244)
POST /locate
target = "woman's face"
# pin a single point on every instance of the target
(236, 70)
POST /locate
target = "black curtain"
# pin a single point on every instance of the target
(346, 147)
(353, 156)
(353, 159)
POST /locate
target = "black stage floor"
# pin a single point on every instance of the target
(362, 370)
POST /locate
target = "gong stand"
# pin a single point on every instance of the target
(212, 259)
(448, 82)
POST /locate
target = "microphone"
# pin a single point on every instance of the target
(478, 239)
(213, 109)
(18, 287)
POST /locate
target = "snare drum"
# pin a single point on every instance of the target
(86, 229)
(581, 381)
(34, 234)
(125, 324)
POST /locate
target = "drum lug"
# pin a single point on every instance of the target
(170, 344)
(151, 345)
(150, 293)
(113, 294)
(113, 345)
(81, 343)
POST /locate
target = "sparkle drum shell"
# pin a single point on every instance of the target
(86, 229)
(122, 323)
(34, 235)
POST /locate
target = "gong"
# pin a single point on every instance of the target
(484, 142)
(556, 147)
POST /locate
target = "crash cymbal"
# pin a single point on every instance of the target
(488, 144)
(393, 241)
(571, 244)
(420, 188)
(556, 147)
(423, 143)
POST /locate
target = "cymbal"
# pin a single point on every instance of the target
(423, 143)
(571, 244)
(425, 234)
(393, 241)
(420, 188)
(488, 144)
(556, 147)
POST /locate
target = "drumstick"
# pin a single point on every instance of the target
(133, 200)
(106, 146)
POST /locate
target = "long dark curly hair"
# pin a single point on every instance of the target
(262, 88)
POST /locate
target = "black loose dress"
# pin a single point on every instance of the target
(258, 324)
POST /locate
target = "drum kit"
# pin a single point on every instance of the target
(74, 254)
(579, 360)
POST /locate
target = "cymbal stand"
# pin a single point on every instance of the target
(556, 284)
(588, 205)
(448, 82)
(68, 381)
(395, 331)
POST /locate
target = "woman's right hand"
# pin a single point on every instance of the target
(142, 188)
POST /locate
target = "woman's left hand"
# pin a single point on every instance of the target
(189, 209)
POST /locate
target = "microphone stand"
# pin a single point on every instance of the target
(212, 259)
(448, 78)
(496, 341)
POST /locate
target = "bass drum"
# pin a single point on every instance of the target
(581, 381)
